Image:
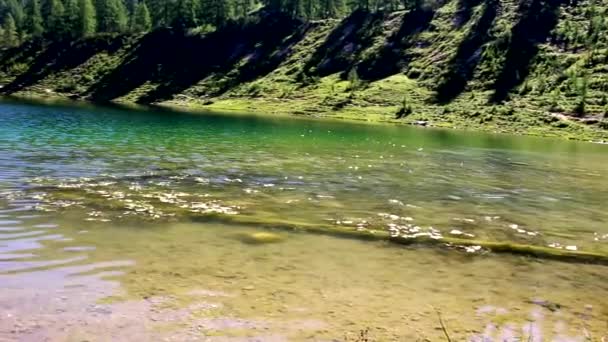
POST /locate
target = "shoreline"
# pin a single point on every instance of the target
(268, 107)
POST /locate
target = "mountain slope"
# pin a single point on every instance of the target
(535, 67)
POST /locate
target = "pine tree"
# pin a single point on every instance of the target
(185, 14)
(331, 8)
(112, 16)
(9, 34)
(33, 23)
(294, 8)
(309, 9)
(160, 12)
(71, 18)
(300, 10)
(45, 11)
(131, 5)
(55, 21)
(215, 12)
(15, 9)
(87, 18)
(141, 18)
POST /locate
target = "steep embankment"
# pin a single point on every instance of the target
(535, 67)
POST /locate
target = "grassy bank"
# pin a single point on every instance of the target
(500, 66)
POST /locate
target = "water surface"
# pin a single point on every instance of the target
(117, 223)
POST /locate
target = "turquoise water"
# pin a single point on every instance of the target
(141, 214)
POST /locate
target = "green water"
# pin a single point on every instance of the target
(119, 224)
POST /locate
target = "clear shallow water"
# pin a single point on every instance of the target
(121, 223)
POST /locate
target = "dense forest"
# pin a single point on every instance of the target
(21, 20)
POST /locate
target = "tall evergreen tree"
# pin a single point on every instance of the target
(331, 8)
(55, 21)
(309, 9)
(45, 10)
(71, 19)
(215, 12)
(292, 7)
(160, 12)
(15, 9)
(185, 14)
(112, 16)
(9, 33)
(34, 23)
(141, 18)
(130, 6)
(87, 19)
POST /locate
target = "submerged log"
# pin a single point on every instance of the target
(536, 251)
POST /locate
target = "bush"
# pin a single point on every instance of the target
(579, 109)
(67, 87)
(17, 69)
(554, 104)
(414, 73)
(404, 110)
(354, 80)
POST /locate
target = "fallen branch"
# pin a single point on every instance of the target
(445, 330)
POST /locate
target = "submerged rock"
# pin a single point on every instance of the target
(258, 238)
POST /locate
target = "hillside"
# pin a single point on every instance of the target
(532, 67)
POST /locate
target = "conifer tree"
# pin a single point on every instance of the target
(71, 19)
(309, 9)
(9, 34)
(15, 9)
(215, 12)
(293, 7)
(141, 18)
(34, 23)
(55, 21)
(87, 18)
(130, 5)
(331, 8)
(160, 12)
(112, 16)
(185, 14)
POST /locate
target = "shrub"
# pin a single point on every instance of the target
(404, 110)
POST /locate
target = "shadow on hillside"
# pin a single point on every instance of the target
(537, 20)
(392, 57)
(21, 54)
(342, 47)
(464, 12)
(266, 57)
(175, 62)
(461, 67)
(61, 56)
(240, 54)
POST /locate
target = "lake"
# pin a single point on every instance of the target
(121, 224)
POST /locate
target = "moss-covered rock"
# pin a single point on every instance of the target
(260, 238)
